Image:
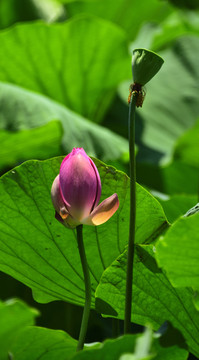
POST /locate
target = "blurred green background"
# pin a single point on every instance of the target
(65, 71)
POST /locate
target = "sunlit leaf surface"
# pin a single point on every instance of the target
(36, 343)
(178, 252)
(154, 298)
(74, 63)
(22, 109)
(129, 15)
(37, 250)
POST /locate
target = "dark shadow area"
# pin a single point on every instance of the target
(150, 175)
(147, 259)
(104, 308)
(57, 314)
(148, 155)
(117, 121)
(61, 315)
(192, 357)
(171, 336)
(22, 10)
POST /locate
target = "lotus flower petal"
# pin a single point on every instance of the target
(103, 212)
(57, 200)
(80, 184)
(76, 192)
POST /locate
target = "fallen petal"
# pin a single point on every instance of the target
(103, 211)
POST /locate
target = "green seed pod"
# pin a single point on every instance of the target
(145, 64)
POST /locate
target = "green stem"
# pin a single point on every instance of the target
(86, 312)
(131, 247)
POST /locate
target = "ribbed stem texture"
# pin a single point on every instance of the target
(131, 246)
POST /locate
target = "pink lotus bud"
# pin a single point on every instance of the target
(76, 192)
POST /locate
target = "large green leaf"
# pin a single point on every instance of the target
(74, 63)
(22, 110)
(21, 341)
(138, 347)
(37, 250)
(129, 15)
(178, 252)
(14, 316)
(187, 146)
(154, 299)
(40, 143)
(44, 344)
